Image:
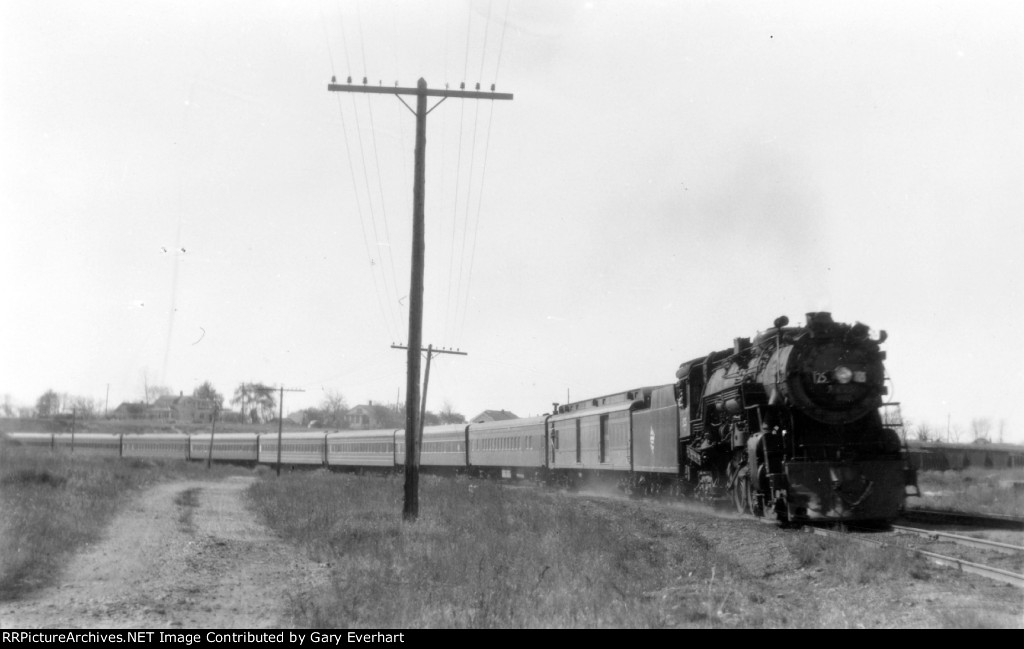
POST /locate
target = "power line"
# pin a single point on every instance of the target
(382, 300)
(483, 173)
(421, 92)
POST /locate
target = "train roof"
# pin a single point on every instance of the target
(229, 436)
(959, 446)
(301, 434)
(362, 434)
(507, 424)
(626, 396)
(603, 410)
(156, 436)
(444, 429)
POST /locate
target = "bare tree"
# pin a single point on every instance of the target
(333, 408)
(84, 407)
(955, 432)
(8, 406)
(923, 431)
(150, 391)
(980, 428)
(449, 416)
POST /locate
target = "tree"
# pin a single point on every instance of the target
(980, 428)
(389, 416)
(8, 406)
(332, 409)
(449, 416)
(48, 405)
(83, 407)
(954, 433)
(256, 401)
(206, 391)
(923, 431)
(152, 392)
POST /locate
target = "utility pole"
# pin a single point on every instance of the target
(431, 352)
(106, 403)
(412, 397)
(213, 427)
(280, 426)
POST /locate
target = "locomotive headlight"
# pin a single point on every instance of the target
(843, 374)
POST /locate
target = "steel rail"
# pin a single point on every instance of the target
(989, 572)
(968, 541)
(978, 520)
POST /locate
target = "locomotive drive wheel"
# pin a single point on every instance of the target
(752, 502)
(741, 492)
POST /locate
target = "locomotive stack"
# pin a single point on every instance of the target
(786, 424)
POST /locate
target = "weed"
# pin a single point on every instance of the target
(849, 563)
(975, 489)
(187, 500)
(480, 556)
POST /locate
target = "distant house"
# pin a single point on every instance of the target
(192, 409)
(161, 408)
(362, 417)
(493, 415)
(128, 410)
(168, 408)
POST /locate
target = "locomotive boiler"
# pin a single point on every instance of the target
(788, 423)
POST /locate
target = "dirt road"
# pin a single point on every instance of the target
(186, 554)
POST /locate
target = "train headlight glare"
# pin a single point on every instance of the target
(843, 374)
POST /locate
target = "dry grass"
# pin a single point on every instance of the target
(973, 490)
(849, 563)
(51, 504)
(485, 556)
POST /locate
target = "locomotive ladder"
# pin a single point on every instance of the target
(892, 418)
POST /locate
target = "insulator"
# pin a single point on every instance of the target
(333, 80)
(478, 85)
(462, 86)
(350, 79)
(492, 87)
(364, 81)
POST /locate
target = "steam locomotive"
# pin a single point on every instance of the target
(786, 424)
(789, 423)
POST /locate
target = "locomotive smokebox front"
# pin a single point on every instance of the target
(831, 372)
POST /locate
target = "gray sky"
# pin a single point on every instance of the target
(182, 197)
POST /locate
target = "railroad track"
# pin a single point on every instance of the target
(966, 541)
(980, 548)
(990, 521)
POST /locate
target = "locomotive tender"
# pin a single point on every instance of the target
(786, 424)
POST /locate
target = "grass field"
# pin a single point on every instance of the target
(485, 555)
(52, 504)
(973, 490)
(480, 556)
